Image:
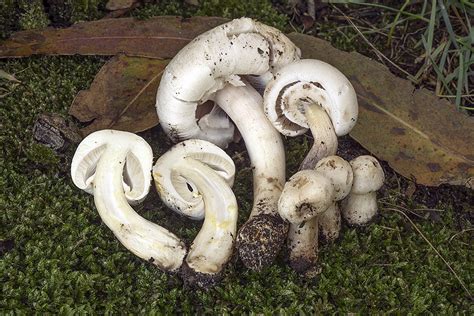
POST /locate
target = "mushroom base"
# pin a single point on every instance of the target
(260, 240)
(195, 279)
(305, 266)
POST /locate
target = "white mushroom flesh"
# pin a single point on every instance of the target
(312, 94)
(306, 196)
(212, 247)
(209, 173)
(361, 205)
(207, 64)
(308, 81)
(267, 158)
(180, 194)
(339, 172)
(142, 237)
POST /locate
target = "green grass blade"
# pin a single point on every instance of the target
(447, 22)
(394, 23)
(460, 76)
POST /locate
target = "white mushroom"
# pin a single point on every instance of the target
(312, 94)
(206, 65)
(361, 205)
(340, 173)
(115, 167)
(261, 237)
(306, 195)
(200, 173)
(180, 195)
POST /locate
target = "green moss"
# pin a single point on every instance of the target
(8, 18)
(42, 155)
(87, 10)
(260, 10)
(33, 15)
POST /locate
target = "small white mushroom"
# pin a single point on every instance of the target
(361, 205)
(115, 167)
(201, 178)
(340, 173)
(306, 195)
(209, 62)
(261, 237)
(312, 94)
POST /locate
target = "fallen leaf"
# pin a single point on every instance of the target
(420, 135)
(113, 5)
(158, 37)
(122, 96)
(7, 76)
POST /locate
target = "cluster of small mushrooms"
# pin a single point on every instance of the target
(255, 77)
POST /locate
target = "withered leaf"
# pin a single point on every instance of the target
(158, 37)
(113, 5)
(420, 135)
(122, 95)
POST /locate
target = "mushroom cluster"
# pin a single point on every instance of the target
(254, 76)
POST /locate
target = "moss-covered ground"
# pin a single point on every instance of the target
(57, 256)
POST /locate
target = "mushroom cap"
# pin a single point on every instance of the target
(204, 66)
(307, 194)
(136, 175)
(339, 172)
(368, 174)
(305, 82)
(182, 195)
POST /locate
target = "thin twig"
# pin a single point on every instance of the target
(461, 232)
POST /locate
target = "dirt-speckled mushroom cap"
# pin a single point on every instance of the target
(305, 82)
(368, 174)
(339, 172)
(306, 194)
(209, 62)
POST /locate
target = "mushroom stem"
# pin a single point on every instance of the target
(303, 247)
(330, 223)
(359, 209)
(325, 139)
(212, 247)
(306, 195)
(261, 237)
(142, 237)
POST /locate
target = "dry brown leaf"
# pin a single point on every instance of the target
(420, 135)
(122, 95)
(113, 5)
(158, 37)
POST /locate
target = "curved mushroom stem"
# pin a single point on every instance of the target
(303, 247)
(261, 237)
(325, 139)
(142, 237)
(212, 247)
